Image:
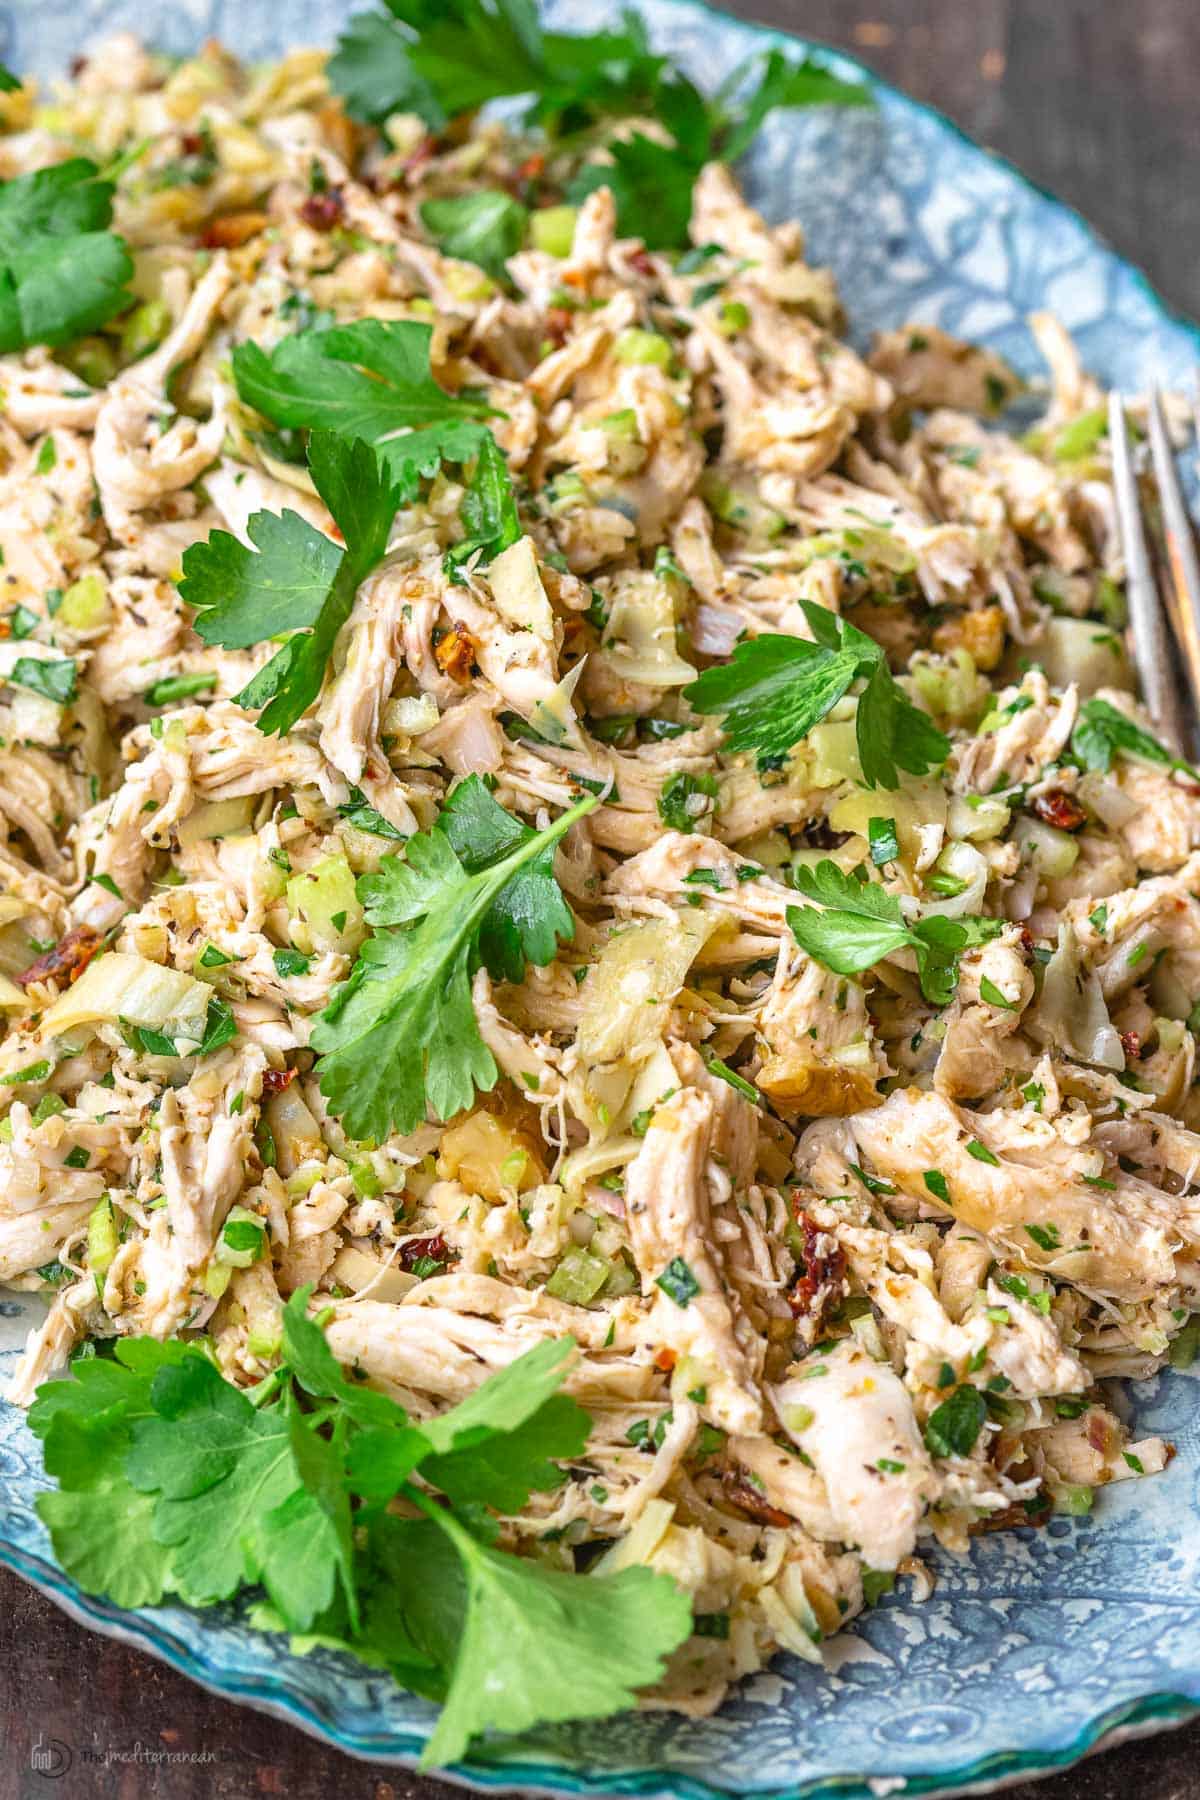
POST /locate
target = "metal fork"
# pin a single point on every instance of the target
(1164, 614)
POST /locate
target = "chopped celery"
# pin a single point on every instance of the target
(144, 329)
(324, 908)
(101, 1240)
(635, 346)
(1073, 1499)
(579, 1277)
(84, 606)
(552, 229)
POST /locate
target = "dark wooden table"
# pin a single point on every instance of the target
(1096, 99)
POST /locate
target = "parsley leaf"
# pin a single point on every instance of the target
(529, 914)
(774, 689)
(537, 1643)
(439, 61)
(783, 83)
(489, 508)
(371, 380)
(400, 1035)
(296, 580)
(62, 272)
(172, 1480)
(952, 1427)
(485, 226)
(53, 680)
(359, 812)
(1103, 731)
(859, 922)
(652, 186)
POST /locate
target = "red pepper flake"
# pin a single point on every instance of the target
(665, 1360)
(323, 211)
(66, 961)
(1131, 1044)
(275, 1080)
(640, 261)
(1059, 809)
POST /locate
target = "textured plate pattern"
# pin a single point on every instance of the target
(1041, 1643)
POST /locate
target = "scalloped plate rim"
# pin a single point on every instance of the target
(1141, 1715)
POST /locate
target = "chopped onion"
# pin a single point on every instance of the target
(640, 637)
(1110, 804)
(518, 592)
(633, 985)
(357, 1271)
(987, 818)
(638, 1545)
(966, 864)
(1071, 1008)
(217, 819)
(1054, 853)
(1081, 652)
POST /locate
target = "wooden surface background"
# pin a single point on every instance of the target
(1097, 101)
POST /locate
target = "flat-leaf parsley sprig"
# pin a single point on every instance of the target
(361, 1526)
(442, 59)
(373, 380)
(295, 581)
(852, 923)
(774, 689)
(400, 1036)
(62, 271)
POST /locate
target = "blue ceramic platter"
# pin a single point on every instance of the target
(1040, 1645)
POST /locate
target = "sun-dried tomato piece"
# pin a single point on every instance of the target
(744, 1495)
(819, 1275)
(323, 211)
(275, 1080)
(424, 1249)
(1034, 1512)
(232, 230)
(1059, 809)
(454, 651)
(66, 961)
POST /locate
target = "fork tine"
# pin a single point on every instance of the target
(1181, 549)
(1151, 643)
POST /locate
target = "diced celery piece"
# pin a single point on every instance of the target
(635, 346)
(1073, 1499)
(1081, 436)
(552, 230)
(84, 606)
(92, 359)
(579, 1277)
(101, 1240)
(324, 908)
(144, 329)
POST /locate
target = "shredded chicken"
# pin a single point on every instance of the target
(846, 1238)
